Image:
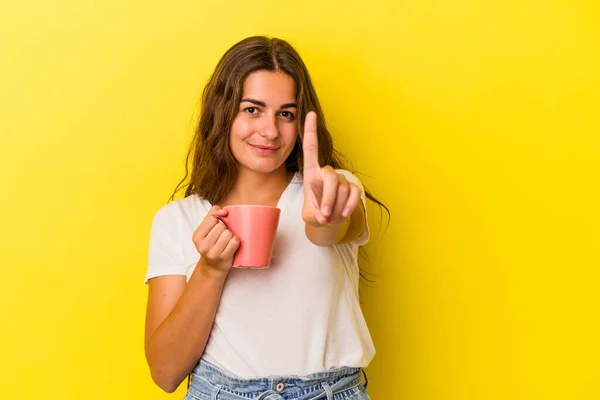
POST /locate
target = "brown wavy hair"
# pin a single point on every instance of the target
(213, 168)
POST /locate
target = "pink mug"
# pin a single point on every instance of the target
(256, 227)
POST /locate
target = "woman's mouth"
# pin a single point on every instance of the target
(265, 150)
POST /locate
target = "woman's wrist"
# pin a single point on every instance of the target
(210, 272)
(327, 235)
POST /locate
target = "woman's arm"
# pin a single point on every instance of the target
(180, 316)
(330, 209)
(179, 319)
(344, 232)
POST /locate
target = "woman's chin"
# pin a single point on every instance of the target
(265, 169)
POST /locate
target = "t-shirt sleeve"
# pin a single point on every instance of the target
(363, 238)
(164, 253)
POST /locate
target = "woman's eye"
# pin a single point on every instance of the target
(287, 115)
(251, 110)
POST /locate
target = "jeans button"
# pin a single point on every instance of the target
(280, 387)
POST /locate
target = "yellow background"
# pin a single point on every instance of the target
(476, 123)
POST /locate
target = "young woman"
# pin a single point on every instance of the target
(295, 329)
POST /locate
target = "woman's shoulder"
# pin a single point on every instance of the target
(350, 176)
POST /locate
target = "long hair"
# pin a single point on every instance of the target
(213, 168)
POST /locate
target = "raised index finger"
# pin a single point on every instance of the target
(310, 143)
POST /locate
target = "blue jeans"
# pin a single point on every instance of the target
(209, 383)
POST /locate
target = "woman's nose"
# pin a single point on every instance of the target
(269, 127)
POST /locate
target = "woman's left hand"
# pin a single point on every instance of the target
(328, 196)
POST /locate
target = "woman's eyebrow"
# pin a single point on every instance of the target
(263, 104)
(257, 102)
(289, 105)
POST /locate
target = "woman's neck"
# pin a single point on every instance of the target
(257, 188)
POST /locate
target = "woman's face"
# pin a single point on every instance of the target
(264, 131)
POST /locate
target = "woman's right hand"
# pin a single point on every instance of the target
(180, 314)
(215, 243)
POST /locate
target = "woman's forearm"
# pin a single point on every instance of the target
(179, 341)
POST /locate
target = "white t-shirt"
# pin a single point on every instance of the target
(297, 317)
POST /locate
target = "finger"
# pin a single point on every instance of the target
(207, 224)
(232, 246)
(210, 220)
(331, 181)
(312, 216)
(353, 200)
(211, 238)
(219, 212)
(343, 193)
(221, 243)
(313, 195)
(320, 218)
(310, 142)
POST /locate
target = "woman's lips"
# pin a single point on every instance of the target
(264, 149)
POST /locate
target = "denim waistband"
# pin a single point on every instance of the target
(206, 379)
